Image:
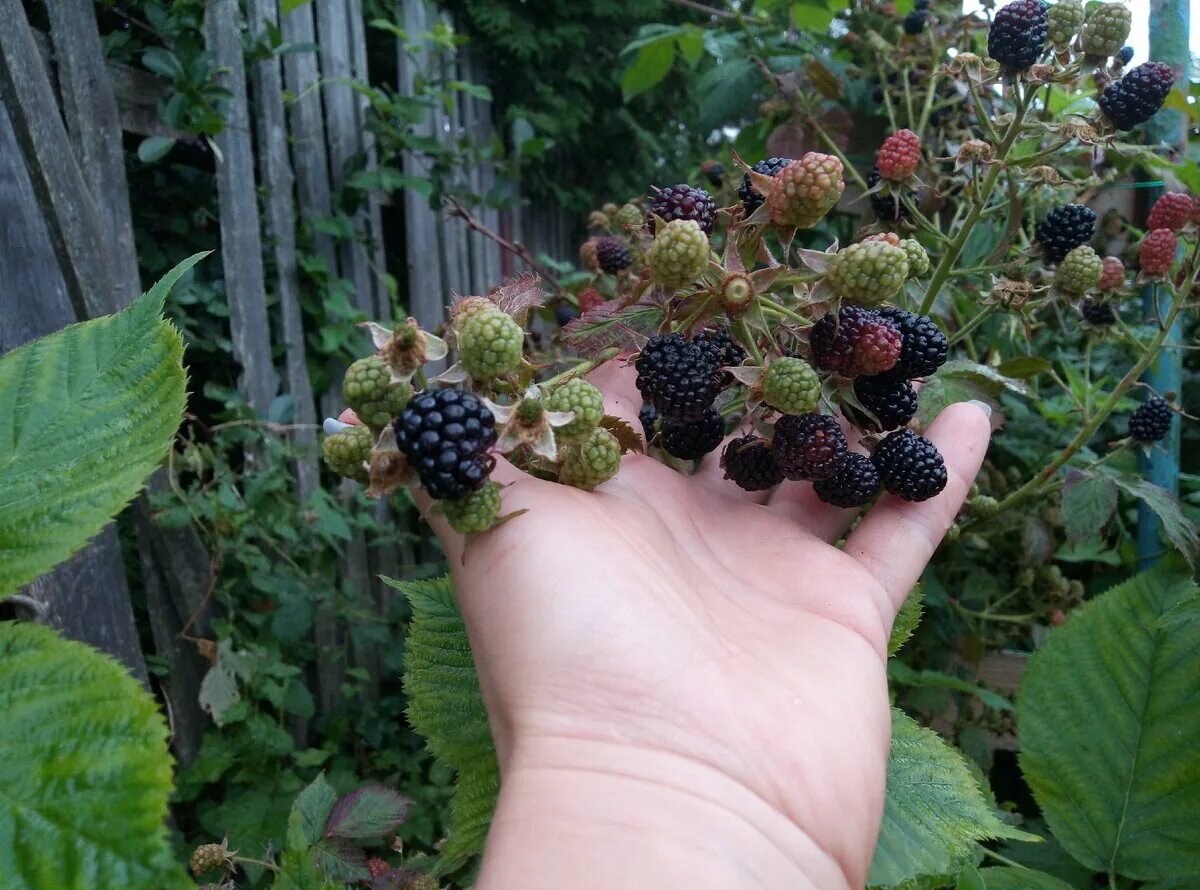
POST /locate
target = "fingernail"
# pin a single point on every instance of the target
(982, 406)
(332, 427)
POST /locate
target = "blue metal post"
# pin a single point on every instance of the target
(1169, 22)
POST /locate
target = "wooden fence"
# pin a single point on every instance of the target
(67, 253)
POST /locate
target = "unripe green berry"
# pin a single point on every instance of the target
(491, 345)
(791, 386)
(370, 391)
(1106, 30)
(347, 452)
(476, 512)
(629, 215)
(679, 254)
(869, 272)
(585, 400)
(1062, 21)
(918, 259)
(596, 459)
(1080, 271)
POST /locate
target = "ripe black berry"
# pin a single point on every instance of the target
(910, 466)
(1151, 420)
(889, 397)
(748, 462)
(677, 377)
(854, 484)
(1098, 314)
(1137, 96)
(923, 346)
(808, 446)
(1126, 54)
(1064, 229)
(565, 313)
(613, 254)
(719, 348)
(446, 434)
(1018, 34)
(683, 201)
(694, 438)
(914, 22)
(714, 172)
(887, 207)
(751, 197)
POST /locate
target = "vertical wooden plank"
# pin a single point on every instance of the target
(72, 220)
(453, 233)
(276, 174)
(87, 596)
(93, 122)
(426, 286)
(241, 241)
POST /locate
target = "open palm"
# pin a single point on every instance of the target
(678, 631)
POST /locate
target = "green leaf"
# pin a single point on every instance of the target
(902, 673)
(154, 148)
(1022, 367)
(84, 770)
(651, 64)
(1108, 714)
(987, 376)
(1179, 531)
(446, 707)
(906, 621)
(970, 879)
(934, 812)
(85, 415)
(306, 821)
(1020, 879)
(286, 6)
(940, 392)
(811, 15)
(1088, 502)
(367, 813)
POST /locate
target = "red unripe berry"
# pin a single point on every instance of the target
(1171, 211)
(899, 156)
(1156, 253)
(1113, 276)
(589, 299)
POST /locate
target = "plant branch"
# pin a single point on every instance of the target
(707, 10)
(950, 257)
(455, 208)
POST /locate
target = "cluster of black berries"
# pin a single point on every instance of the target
(1064, 229)
(679, 380)
(446, 434)
(890, 396)
(683, 201)
(751, 197)
(1018, 33)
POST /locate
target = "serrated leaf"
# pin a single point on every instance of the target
(446, 707)
(902, 673)
(651, 64)
(990, 378)
(86, 414)
(934, 812)
(1108, 715)
(1020, 879)
(372, 811)
(1022, 367)
(340, 860)
(940, 392)
(627, 437)
(1179, 531)
(306, 821)
(218, 692)
(969, 879)
(84, 770)
(1088, 502)
(906, 621)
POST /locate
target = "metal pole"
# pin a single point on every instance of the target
(1169, 44)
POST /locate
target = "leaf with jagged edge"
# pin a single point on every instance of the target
(934, 812)
(1108, 713)
(86, 414)
(1009, 878)
(84, 770)
(446, 707)
(906, 621)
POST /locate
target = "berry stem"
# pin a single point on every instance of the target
(747, 338)
(950, 257)
(1131, 377)
(971, 325)
(931, 91)
(583, 367)
(887, 99)
(984, 120)
(246, 860)
(779, 309)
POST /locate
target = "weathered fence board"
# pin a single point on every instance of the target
(71, 217)
(241, 241)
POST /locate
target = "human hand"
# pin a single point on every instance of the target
(685, 681)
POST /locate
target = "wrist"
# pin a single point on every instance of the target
(587, 813)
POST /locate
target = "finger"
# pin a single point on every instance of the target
(617, 380)
(514, 483)
(896, 538)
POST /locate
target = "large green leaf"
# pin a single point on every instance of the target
(1020, 879)
(446, 707)
(1108, 715)
(934, 812)
(85, 416)
(84, 770)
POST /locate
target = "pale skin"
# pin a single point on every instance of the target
(685, 681)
